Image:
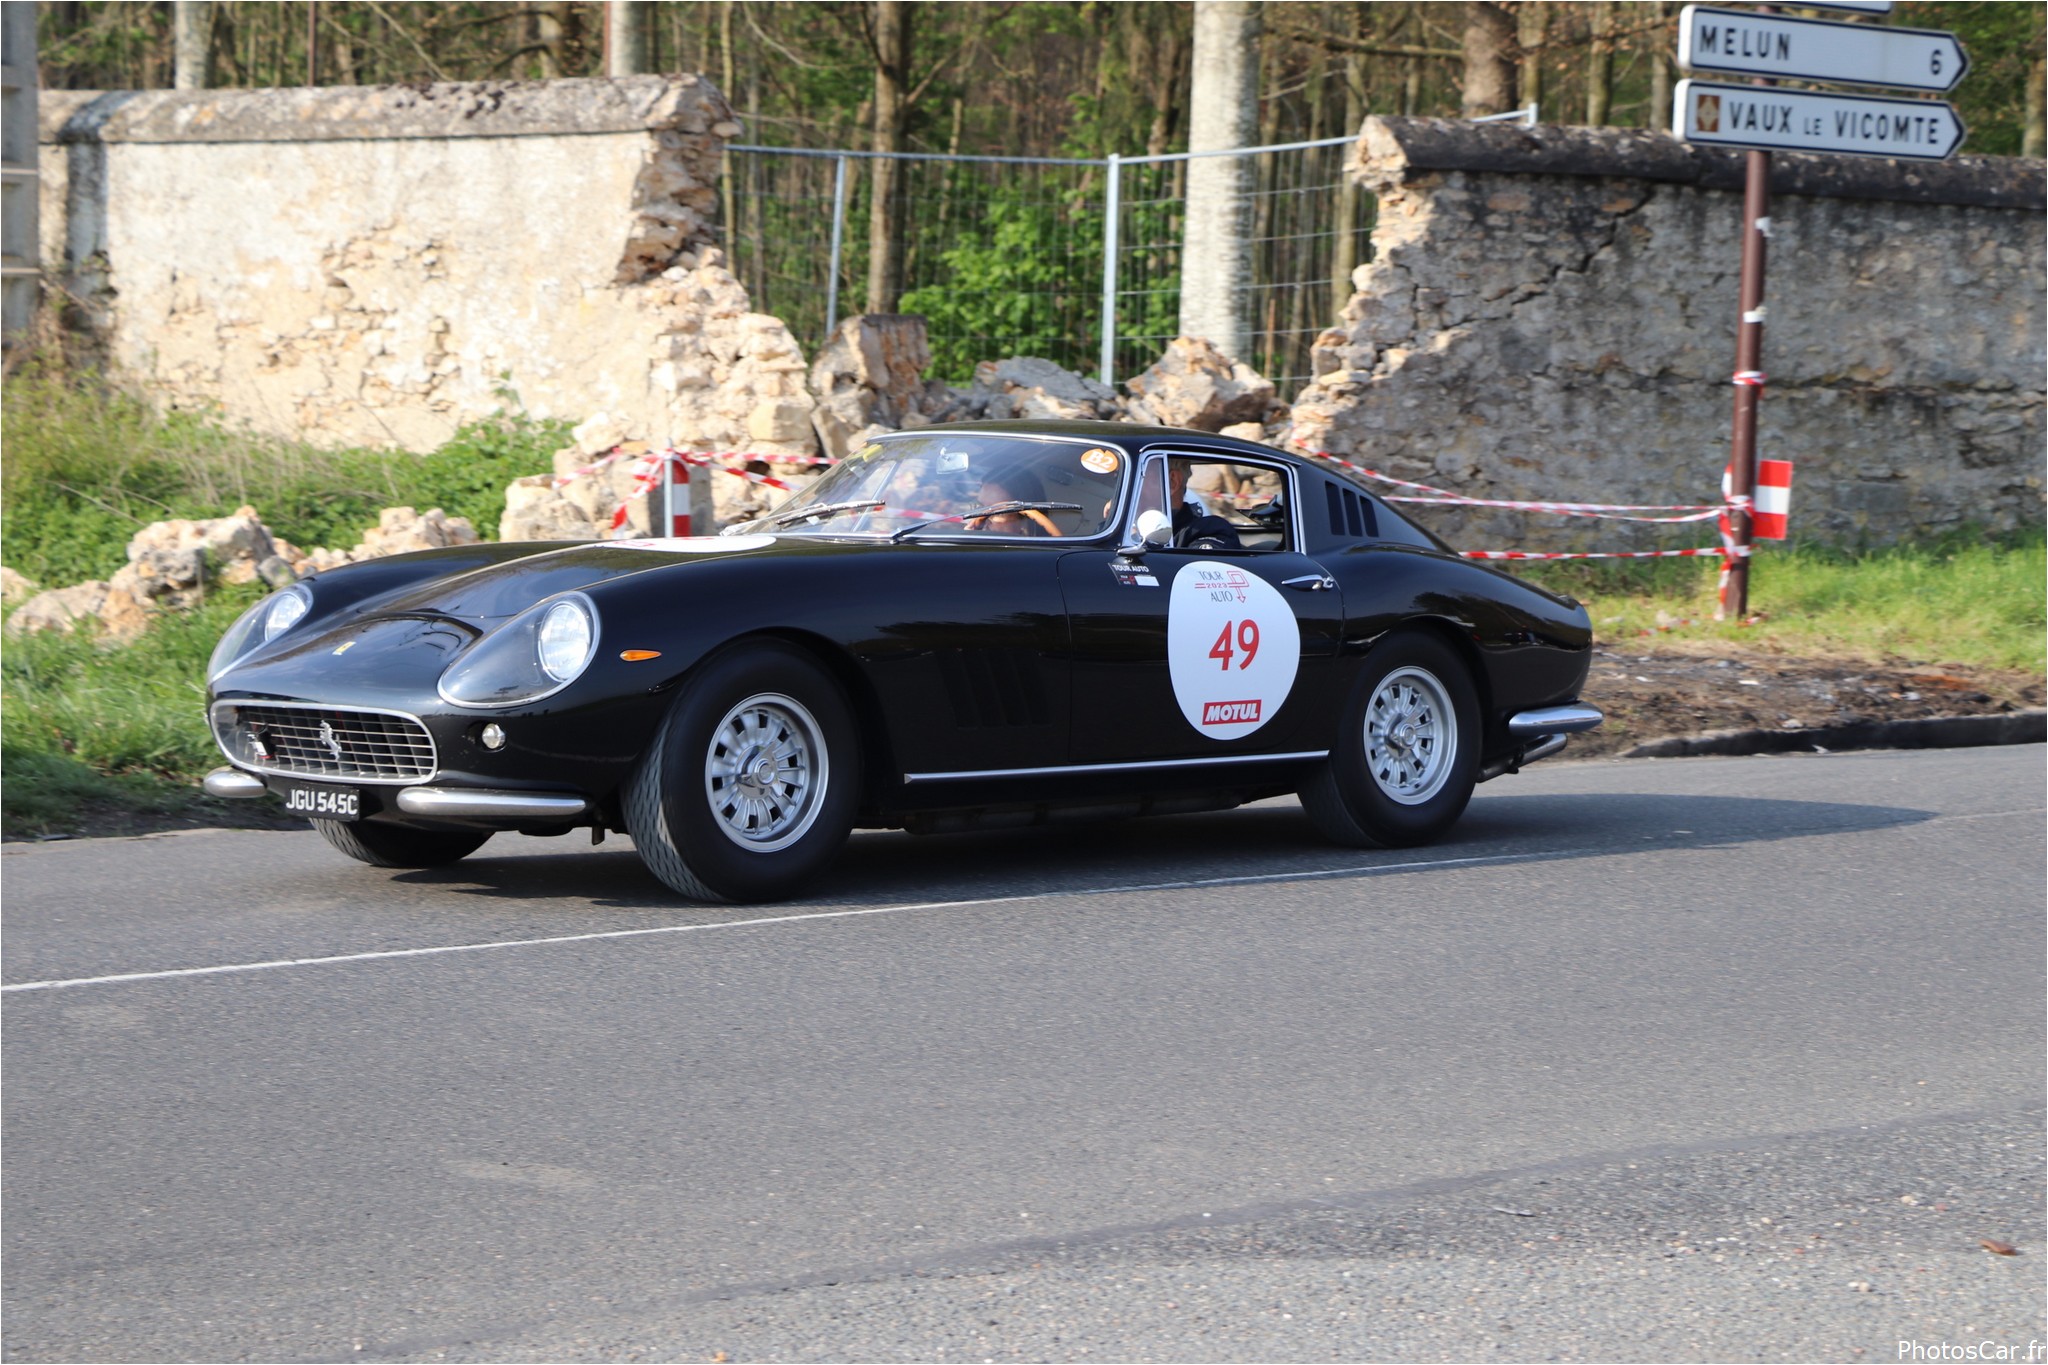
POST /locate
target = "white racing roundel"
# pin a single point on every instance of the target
(1232, 647)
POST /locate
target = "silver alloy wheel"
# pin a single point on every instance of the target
(765, 772)
(1411, 735)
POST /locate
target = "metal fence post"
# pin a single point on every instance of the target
(1111, 208)
(838, 237)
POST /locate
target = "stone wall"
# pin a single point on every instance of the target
(377, 265)
(1550, 313)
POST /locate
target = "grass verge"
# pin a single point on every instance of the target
(1966, 599)
(89, 465)
(91, 728)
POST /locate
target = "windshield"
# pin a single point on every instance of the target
(960, 484)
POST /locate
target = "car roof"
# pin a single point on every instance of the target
(1131, 437)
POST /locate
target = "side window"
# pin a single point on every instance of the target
(1240, 505)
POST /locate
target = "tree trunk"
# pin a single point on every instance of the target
(1223, 112)
(2037, 87)
(1532, 26)
(1166, 77)
(1344, 249)
(1660, 70)
(625, 38)
(1600, 63)
(728, 182)
(191, 27)
(554, 37)
(1489, 59)
(892, 115)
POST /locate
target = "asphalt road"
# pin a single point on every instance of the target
(1694, 1059)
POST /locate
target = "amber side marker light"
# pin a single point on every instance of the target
(634, 656)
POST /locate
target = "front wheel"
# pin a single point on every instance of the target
(751, 783)
(397, 846)
(1406, 755)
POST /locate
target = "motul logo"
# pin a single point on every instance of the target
(1229, 712)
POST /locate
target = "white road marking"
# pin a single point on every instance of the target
(233, 968)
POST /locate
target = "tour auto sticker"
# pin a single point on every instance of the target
(1232, 648)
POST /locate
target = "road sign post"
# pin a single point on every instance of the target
(1749, 388)
(1761, 117)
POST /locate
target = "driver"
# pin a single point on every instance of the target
(1193, 523)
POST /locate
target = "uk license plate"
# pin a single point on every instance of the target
(321, 803)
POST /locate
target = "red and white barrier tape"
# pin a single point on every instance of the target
(719, 460)
(1445, 497)
(1703, 550)
(1561, 509)
(1753, 379)
(1727, 551)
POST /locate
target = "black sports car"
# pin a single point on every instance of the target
(957, 627)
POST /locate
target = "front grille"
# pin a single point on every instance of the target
(323, 742)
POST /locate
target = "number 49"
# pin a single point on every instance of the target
(1246, 635)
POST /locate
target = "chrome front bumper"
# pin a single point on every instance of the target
(1546, 731)
(1554, 720)
(433, 803)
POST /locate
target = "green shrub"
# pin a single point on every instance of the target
(89, 465)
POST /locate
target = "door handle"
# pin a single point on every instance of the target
(1313, 582)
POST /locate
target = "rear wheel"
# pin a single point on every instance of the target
(396, 846)
(1406, 756)
(750, 785)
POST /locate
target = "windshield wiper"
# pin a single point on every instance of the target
(823, 510)
(994, 509)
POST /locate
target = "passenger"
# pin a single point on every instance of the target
(1016, 484)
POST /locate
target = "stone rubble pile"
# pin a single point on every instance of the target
(172, 563)
(867, 380)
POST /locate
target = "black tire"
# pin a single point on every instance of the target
(396, 846)
(1394, 785)
(752, 782)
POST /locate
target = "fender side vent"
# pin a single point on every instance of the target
(993, 688)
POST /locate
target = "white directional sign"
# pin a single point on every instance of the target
(1804, 121)
(1748, 44)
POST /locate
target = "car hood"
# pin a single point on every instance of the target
(485, 596)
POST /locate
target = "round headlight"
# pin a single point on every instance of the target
(564, 640)
(284, 612)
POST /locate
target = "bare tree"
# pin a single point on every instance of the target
(191, 30)
(890, 41)
(1660, 70)
(1600, 63)
(1489, 59)
(1532, 27)
(2037, 87)
(625, 38)
(1223, 112)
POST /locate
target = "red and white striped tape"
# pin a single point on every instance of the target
(650, 476)
(1562, 509)
(1728, 551)
(1715, 550)
(1442, 497)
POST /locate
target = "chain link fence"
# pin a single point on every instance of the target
(1074, 261)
